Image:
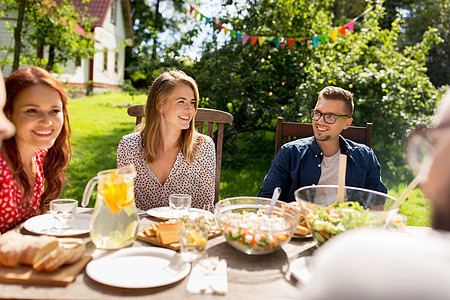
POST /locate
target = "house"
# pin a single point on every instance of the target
(112, 33)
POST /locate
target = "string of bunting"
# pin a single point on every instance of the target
(279, 41)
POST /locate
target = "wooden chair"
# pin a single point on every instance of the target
(204, 115)
(289, 131)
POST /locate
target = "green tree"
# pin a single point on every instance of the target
(417, 17)
(50, 25)
(151, 55)
(257, 84)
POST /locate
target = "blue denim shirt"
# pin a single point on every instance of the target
(297, 164)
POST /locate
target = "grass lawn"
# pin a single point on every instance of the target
(98, 123)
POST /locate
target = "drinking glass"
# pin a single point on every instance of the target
(193, 236)
(399, 222)
(179, 205)
(63, 212)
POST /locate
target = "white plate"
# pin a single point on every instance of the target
(297, 236)
(301, 269)
(138, 267)
(43, 224)
(164, 213)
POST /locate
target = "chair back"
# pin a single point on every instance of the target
(289, 131)
(205, 117)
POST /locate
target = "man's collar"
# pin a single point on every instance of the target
(345, 146)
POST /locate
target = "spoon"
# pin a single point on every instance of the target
(410, 187)
(275, 196)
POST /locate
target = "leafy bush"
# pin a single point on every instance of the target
(257, 84)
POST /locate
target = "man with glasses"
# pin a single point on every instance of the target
(372, 263)
(315, 160)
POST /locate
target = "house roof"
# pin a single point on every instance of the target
(99, 9)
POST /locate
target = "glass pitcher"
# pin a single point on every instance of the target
(114, 222)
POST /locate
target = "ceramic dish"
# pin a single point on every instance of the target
(164, 213)
(137, 267)
(43, 224)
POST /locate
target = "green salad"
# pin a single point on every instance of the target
(329, 221)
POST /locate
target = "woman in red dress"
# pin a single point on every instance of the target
(6, 127)
(33, 162)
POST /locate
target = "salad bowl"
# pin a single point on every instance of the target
(246, 225)
(361, 208)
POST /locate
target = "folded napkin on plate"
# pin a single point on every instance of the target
(208, 276)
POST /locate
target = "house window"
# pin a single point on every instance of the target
(114, 12)
(105, 60)
(116, 66)
(78, 61)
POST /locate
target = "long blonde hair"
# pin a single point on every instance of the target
(158, 95)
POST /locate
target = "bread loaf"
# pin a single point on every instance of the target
(69, 251)
(40, 247)
(77, 247)
(9, 236)
(11, 252)
(301, 230)
(44, 253)
(47, 260)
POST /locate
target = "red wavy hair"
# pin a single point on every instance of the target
(58, 156)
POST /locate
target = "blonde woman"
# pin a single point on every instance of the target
(170, 157)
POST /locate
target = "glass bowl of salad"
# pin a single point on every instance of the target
(360, 208)
(246, 225)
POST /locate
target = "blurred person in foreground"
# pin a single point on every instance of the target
(33, 162)
(170, 157)
(378, 264)
(6, 127)
(315, 160)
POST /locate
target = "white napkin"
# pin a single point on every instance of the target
(208, 276)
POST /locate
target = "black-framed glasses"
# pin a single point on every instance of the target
(421, 147)
(328, 118)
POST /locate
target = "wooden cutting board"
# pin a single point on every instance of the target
(61, 277)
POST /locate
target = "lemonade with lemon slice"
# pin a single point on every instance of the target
(193, 237)
(114, 222)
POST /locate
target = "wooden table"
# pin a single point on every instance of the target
(262, 277)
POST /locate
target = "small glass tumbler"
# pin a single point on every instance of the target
(63, 212)
(179, 205)
(193, 237)
(399, 221)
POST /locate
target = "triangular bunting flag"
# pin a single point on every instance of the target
(218, 24)
(245, 38)
(334, 34)
(290, 42)
(277, 43)
(350, 25)
(315, 41)
(281, 41)
(323, 39)
(261, 40)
